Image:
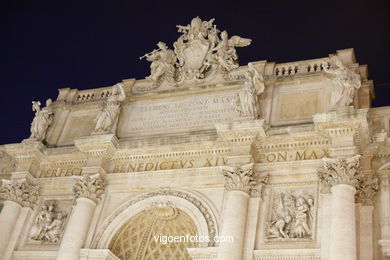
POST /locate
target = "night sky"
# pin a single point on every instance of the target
(47, 45)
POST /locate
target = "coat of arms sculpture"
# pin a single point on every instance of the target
(200, 52)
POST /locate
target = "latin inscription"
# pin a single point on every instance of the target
(292, 156)
(176, 115)
(59, 172)
(168, 165)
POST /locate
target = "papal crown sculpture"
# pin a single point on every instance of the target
(200, 52)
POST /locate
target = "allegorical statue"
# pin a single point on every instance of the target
(346, 82)
(226, 54)
(163, 63)
(248, 97)
(107, 118)
(42, 120)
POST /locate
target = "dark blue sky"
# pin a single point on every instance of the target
(47, 45)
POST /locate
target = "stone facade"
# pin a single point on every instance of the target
(287, 159)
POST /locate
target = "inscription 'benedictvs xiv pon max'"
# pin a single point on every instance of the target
(288, 160)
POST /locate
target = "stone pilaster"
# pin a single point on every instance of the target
(343, 176)
(87, 191)
(238, 183)
(18, 193)
(384, 241)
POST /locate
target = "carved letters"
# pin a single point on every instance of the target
(169, 164)
(292, 155)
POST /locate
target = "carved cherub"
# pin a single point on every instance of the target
(226, 54)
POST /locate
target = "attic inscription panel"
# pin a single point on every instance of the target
(177, 114)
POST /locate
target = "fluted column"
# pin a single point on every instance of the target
(343, 176)
(238, 182)
(18, 193)
(87, 190)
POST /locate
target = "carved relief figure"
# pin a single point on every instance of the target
(54, 230)
(301, 227)
(49, 224)
(163, 61)
(346, 82)
(106, 120)
(42, 120)
(198, 53)
(226, 52)
(292, 216)
(248, 97)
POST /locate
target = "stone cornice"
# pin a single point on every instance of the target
(242, 131)
(346, 122)
(28, 155)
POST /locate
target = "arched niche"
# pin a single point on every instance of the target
(192, 204)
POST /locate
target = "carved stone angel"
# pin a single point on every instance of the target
(226, 54)
(346, 83)
(42, 120)
(106, 120)
(162, 63)
(248, 97)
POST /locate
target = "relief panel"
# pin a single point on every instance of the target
(292, 215)
(49, 223)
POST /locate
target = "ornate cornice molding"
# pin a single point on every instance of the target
(340, 171)
(88, 186)
(21, 191)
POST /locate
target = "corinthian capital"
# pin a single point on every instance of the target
(239, 178)
(368, 187)
(88, 186)
(341, 171)
(21, 191)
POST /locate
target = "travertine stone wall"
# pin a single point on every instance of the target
(286, 183)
